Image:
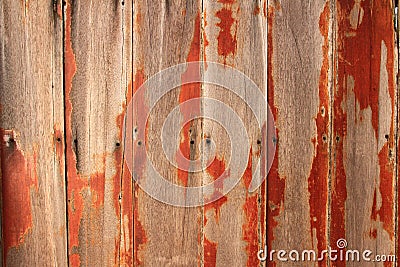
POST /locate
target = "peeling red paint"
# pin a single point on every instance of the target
(385, 213)
(355, 46)
(250, 208)
(226, 1)
(210, 253)
(339, 190)
(188, 92)
(218, 172)
(75, 184)
(226, 39)
(265, 8)
(318, 179)
(140, 238)
(19, 176)
(276, 184)
(256, 10)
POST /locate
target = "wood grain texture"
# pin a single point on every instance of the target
(32, 134)
(69, 69)
(97, 72)
(234, 225)
(299, 95)
(165, 33)
(363, 181)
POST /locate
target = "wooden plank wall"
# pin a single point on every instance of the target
(70, 68)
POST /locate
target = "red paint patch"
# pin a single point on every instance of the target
(218, 172)
(188, 92)
(226, 39)
(97, 185)
(19, 176)
(210, 253)
(256, 10)
(318, 179)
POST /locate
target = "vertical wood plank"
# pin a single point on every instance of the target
(299, 95)
(32, 134)
(234, 225)
(126, 197)
(165, 33)
(97, 55)
(364, 127)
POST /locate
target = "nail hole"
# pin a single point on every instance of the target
(337, 138)
(274, 140)
(259, 142)
(123, 3)
(324, 138)
(58, 139)
(208, 141)
(139, 143)
(117, 144)
(387, 136)
(11, 140)
(135, 130)
(192, 142)
(75, 141)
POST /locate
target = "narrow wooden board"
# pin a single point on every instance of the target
(364, 117)
(165, 33)
(299, 95)
(234, 226)
(32, 134)
(97, 69)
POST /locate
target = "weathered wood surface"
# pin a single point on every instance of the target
(164, 34)
(32, 125)
(234, 225)
(364, 128)
(69, 70)
(299, 95)
(97, 72)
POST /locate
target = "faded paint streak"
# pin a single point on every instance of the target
(75, 202)
(126, 247)
(188, 92)
(318, 179)
(250, 208)
(19, 176)
(276, 184)
(139, 165)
